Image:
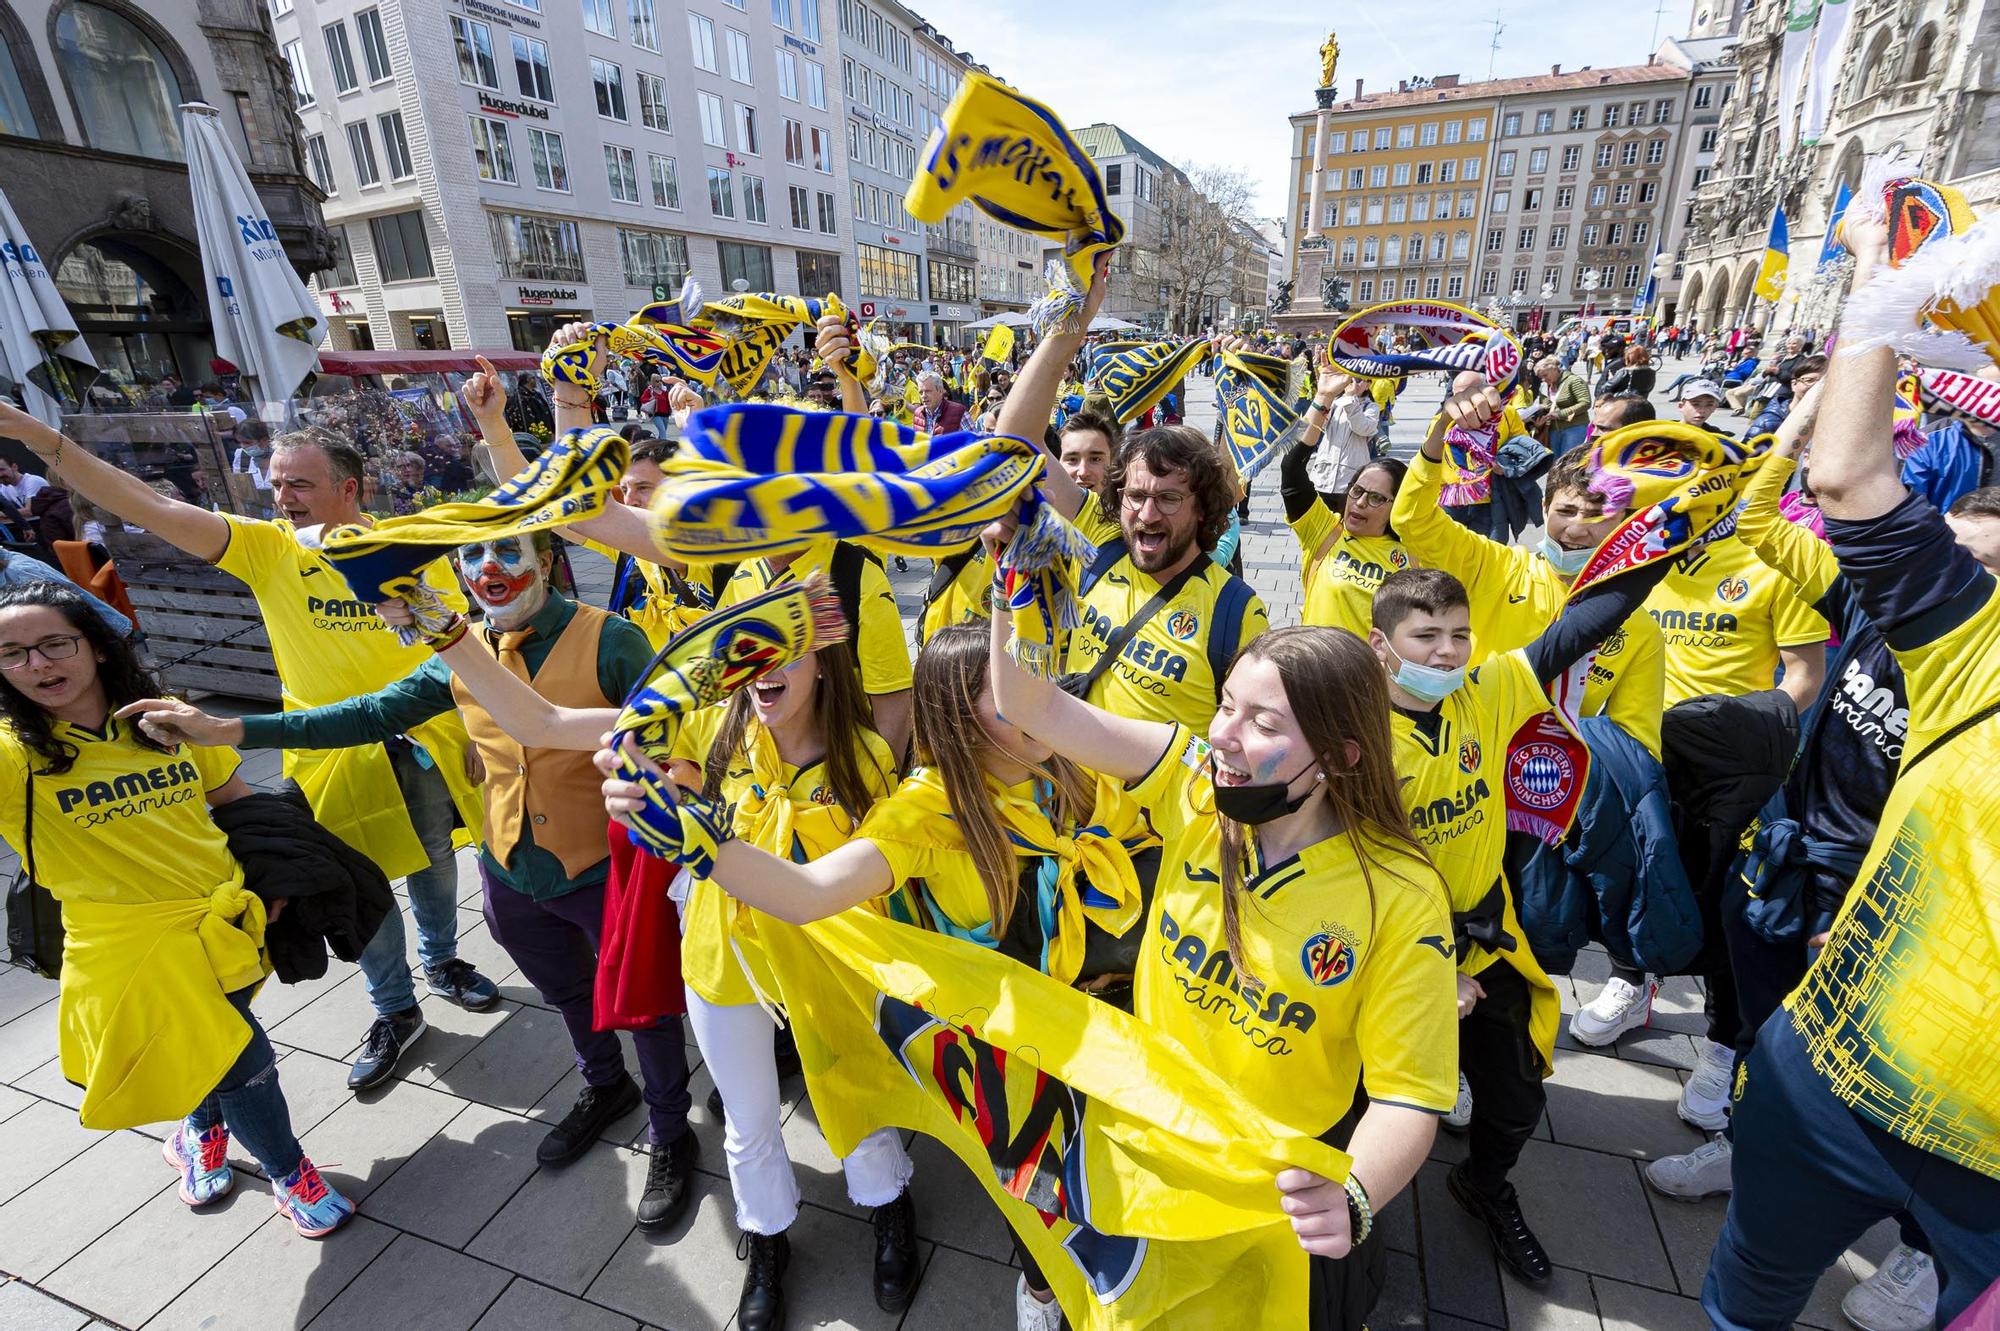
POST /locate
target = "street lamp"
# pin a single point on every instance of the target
(1591, 280)
(1543, 297)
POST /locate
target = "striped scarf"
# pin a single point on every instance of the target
(755, 480)
(1134, 376)
(1441, 336)
(1262, 409)
(756, 323)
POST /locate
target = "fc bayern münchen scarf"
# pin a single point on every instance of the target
(1035, 581)
(1939, 301)
(755, 480)
(1018, 164)
(568, 483)
(757, 322)
(699, 667)
(1136, 375)
(1449, 338)
(1263, 410)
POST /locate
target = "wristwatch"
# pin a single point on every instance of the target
(1360, 1213)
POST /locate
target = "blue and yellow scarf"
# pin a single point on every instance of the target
(1134, 376)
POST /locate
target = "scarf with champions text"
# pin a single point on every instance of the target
(1678, 486)
(1016, 162)
(1438, 336)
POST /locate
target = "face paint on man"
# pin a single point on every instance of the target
(506, 578)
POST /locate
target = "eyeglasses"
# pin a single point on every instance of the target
(1167, 501)
(51, 649)
(1361, 498)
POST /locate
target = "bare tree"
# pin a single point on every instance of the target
(1204, 211)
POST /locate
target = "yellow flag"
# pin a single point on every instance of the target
(1013, 158)
(1142, 1184)
(999, 343)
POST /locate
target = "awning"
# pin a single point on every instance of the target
(355, 364)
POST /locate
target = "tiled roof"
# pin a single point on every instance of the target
(1103, 140)
(1491, 88)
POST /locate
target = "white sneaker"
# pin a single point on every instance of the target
(1705, 1098)
(1030, 1313)
(1619, 1007)
(1460, 1117)
(1901, 1295)
(1702, 1172)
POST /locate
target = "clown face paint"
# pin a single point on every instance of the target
(505, 579)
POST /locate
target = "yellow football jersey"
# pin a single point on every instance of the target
(1341, 572)
(1723, 614)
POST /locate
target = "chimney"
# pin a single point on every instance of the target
(1402, 85)
(1357, 90)
(1555, 69)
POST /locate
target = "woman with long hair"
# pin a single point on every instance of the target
(1345, 550)
(990, 832)
(1299, 940)
(163, 945)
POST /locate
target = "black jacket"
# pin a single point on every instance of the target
(335, 896)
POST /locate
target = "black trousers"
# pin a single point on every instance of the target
(1500, 1064)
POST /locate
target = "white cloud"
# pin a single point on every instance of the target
(1213, 84)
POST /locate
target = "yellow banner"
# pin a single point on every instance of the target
(999, 344)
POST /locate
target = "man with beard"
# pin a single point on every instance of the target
(545, 858)
(393, 799)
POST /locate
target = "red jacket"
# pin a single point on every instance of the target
(950, 416)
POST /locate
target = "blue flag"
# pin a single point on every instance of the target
(1830, 248)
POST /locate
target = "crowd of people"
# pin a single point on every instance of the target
(1788, 730)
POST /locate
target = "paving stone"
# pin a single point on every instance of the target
(1402, 1306)
(62, 1214)
(35, 1142)
(1398, 1223)
(28, 1041)
(961, 1292)
(526, 1306)
(1587, 1209)
(451, 1033)
(1565, 1304)
(21, 990)
(1635, 1308)
(516, 1065)
(368, 1139)
(563, 1225)
(25, 1308)
(461, 1177)
(953, 1209)
(687, 1276)
(13, 1102)
(333, 1024)
(47, 1083)
(818, 1171)
(1664, 1048)
(275, 1001)
(1618, 1106)
(144, 1263)
(275, 1280)
(415, 1286)
(1463, 1279)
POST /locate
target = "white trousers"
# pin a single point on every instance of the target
(736, 1045)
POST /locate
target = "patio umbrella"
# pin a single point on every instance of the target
(39, 346)
(1007, 317)
(266, 323)
(1105, 323)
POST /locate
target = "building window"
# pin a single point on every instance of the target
(1650, 190)
(545, 150)
(475, 53)
(1531, 200)
(822, 150)
(801, 198)
(1392, 251)
(1406, 136)
(1471, 169)
(1558, 237)
(1452, 130)
(1352, 214)
(824, 201)
(1420, 209)
(781, 14)
(701, 35)
(1572, 157)
(1400, 175)
(1629, 154)
(746, 130)
(795, 142)
(340, 57)
(1502, 200)
(1336, 142)
(531, 69)
(1632, 273)
(1707, 141)
(820, 273)
(1538, 161)
(721, 193)
(1612, 112)
(753, 200)
(620, 173)
(1604, 151)
(1510, 124)
(1461, 244)
(491, 150)
(1447, 171)
(1496, 240)
(1475, 131)
(607, 82)
(597, 18)
(953, 282)
(1636, 115)
(1526, 240)
(653, 258)
(1114, 178)
(1545, 121)
(748, 263)
(645, 30)
(374, 45)
(1504, 164)
(653, 102)
(1397, 208)
(1431, 287)
(1656, 152)
(1589, 234)
(535, 249)
(1640, 230)
(1704, 96)
(788, 76)
(319, 163)
(1663, 111)
(1382, 139)
(1621, 195)
(1489, 282)
(666, 181)
(396, 146)
(815, 84)
(1374, 212)
(1378, 177)
(887, 272)
(739, 55)
(1454, 287)
(341, 272)
(1424, 173)
(302, 88)
(362, 148)
(1428, 134)
(1468, 200)
(1579, 117)
(712, 130)
(1553, 278)
(1597, 196)
(402, 251)
(1347, 251)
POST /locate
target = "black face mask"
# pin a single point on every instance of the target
(1256, 805)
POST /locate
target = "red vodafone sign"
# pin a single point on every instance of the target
(868, 309)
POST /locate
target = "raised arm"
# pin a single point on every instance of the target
(1854, 469)
(523, 713)
(1427, 532)
(203, 534)
(1785, 546)
(1118, 746)
(835, 346)
(1032, 401)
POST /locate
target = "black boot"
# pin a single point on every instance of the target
(1513, 1242)
(669, 1175)
(762, 1307)
(897, 1265)
(595, 1108)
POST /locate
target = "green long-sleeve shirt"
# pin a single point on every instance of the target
(373, 718)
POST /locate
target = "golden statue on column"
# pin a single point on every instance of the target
(1329, 56)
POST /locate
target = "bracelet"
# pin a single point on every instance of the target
(1360, 1213)
(562, 401)
(443, 640)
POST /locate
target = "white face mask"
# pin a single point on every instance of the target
(1426, 682)
(1564, 560)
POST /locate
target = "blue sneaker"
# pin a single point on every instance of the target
(310, 1202)
(203, 1161)
(457, 981)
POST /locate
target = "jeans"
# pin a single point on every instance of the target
(736, 1042)
(249, 1101)
(385, 965)
(1811, 1176)
(1564, 438)
(1478, 517)
(554, 942)
(1499, 1064)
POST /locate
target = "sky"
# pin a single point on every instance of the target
(1211, 85)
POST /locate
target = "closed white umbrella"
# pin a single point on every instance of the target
(266, 323)
(40, 348)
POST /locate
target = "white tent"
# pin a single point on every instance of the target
(1007, 317)
(266, 323)
(1105, 323)
(40, 348)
